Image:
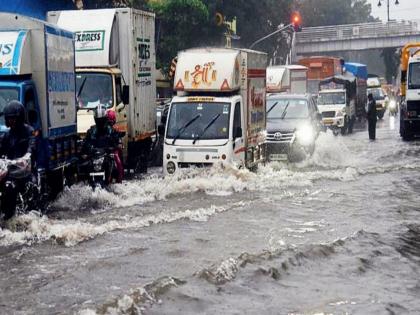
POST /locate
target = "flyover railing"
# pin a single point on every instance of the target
(357, 31)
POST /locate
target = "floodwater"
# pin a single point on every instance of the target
(337, 234)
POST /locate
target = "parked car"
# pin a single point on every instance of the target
(293, 125)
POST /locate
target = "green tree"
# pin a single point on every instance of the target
(334, 12)
(183, 24)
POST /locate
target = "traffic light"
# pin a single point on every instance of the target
(296, 21)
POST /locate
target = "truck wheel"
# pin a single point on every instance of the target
(381, 115)
(405, 134)
(343, 129)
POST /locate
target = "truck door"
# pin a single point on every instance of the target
(120, 109)
(238, 136)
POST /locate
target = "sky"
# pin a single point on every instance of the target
(406, 10)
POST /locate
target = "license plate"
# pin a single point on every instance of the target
(278, 157)
(328, 121)
(97, 174)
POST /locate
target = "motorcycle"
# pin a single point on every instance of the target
(393, 107)
(19, 193)
(98, 168)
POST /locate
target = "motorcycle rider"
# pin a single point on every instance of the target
(101, 135)
(17, 143)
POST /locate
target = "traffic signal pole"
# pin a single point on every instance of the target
(269, 35)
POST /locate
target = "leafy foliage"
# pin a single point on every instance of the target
(334, 12)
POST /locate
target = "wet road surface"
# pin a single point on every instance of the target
(337, 234)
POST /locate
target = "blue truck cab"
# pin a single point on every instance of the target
(37, 69)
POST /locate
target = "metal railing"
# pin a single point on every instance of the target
(357, 31)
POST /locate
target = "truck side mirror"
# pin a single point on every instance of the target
(237, 133)
(126, 94)
(161, 130)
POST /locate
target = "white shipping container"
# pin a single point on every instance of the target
(46, 53)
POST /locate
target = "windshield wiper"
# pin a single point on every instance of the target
(182, 129)
(212, 121)
(272, 107)
(81, 87)
(284, 111)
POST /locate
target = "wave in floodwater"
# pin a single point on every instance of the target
(132, 303)
(33, 228)
(285, 258)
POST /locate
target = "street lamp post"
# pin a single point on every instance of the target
(387, 6)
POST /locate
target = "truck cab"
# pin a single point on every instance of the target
(204, 130)
(410, 102)
(337, 103)
(24, 91)
(96, 86)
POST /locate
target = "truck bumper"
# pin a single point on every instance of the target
(334, 122)
(184, 157)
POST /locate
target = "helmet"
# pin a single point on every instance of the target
(100, 115)
(112, 118)
(15, 110)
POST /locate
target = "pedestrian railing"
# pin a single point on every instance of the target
(355, 31)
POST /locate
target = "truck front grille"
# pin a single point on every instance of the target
(328, 114)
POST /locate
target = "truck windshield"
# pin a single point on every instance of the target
(93, 89)
(332, 98)
(377, 93)
(203, 120)
(414, 76)
(6, 95)
(287, 108)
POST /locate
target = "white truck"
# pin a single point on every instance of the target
(410, 91)
(291, 79)
(37, 69)
(337, 103)
(219, 114)
(115, 66)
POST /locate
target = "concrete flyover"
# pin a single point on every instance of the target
(355, 37)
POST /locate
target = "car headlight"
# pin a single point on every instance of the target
(170, 167)
(97, 164)
(305, 135)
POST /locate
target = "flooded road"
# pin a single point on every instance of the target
(337, 234)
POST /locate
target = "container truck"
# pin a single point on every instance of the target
(320, 68)
(219, 114)
(292, 79)
(37, 69)
(360, 72)
(115, 66)
(410, 91)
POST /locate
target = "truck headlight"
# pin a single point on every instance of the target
(340, 112)
(305, 135)
(170, 167)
